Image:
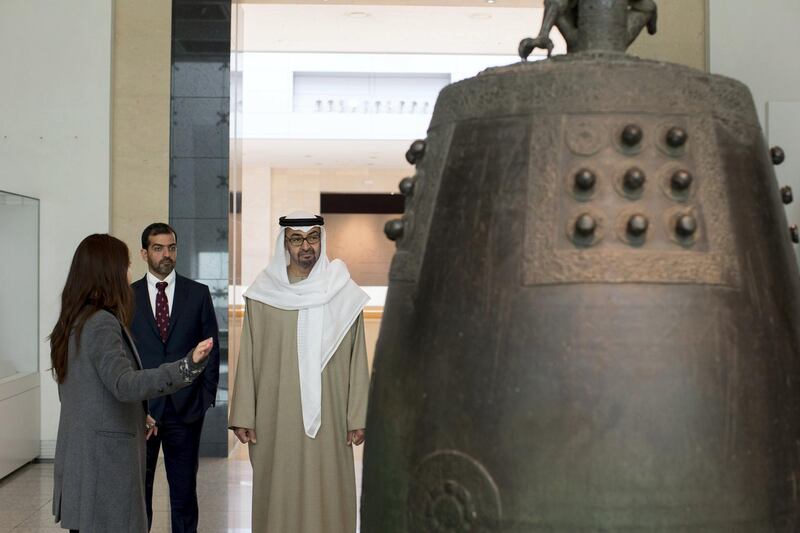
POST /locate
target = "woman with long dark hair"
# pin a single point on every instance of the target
(100, 451)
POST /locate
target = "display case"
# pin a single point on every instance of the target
(19, 331)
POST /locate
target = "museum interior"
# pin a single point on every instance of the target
(219, 116)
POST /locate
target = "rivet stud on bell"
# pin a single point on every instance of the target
(777, 154)
(634, 179)
(686, 226)
(416, 151)
(632, 135)
(586, 225)
(585, 179)
(676, 137)
(394, 229)
(795, 233)
(681, 180)
(637, 225)
(407, 186)
(786, 195)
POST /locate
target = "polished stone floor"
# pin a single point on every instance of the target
(224, 494)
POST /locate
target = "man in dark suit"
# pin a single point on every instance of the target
(172, 315)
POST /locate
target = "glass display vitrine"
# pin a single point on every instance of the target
(19, 279)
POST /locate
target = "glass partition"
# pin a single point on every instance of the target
(199, 198)
(19, 279)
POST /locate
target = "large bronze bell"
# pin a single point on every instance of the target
(592, 318)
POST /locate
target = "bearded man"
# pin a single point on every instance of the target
(300, 393)
(174, 313)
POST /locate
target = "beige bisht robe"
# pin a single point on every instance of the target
(300, 484)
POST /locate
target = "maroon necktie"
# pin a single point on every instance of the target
(162, 310)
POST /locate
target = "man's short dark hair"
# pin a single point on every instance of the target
(158, 228)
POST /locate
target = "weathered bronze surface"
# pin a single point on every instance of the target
(592, 318)
(595, 25)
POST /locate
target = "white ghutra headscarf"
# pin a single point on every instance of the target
(328, 301)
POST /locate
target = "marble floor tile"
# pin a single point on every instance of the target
(224, 493)
(12, 517)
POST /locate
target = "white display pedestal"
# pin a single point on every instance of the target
(19, 420)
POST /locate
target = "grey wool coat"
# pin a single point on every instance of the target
(99, 469)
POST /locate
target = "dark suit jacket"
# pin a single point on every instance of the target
(192, 320)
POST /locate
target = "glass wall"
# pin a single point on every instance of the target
(19, 277)
(199, 199)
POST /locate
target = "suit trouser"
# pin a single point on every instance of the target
(181, 442)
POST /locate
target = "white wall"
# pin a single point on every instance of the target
(757, 43)
(55, 139)
(269, 108)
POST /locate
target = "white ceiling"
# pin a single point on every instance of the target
(446, 3)
(416, 27)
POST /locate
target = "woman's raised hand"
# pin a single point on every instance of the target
(202, 350)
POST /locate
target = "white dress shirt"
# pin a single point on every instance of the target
(152, 291)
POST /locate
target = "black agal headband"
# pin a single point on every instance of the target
(301, 222)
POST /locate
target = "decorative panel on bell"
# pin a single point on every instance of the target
(627, 198)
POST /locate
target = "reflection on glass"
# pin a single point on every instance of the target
(199, 138)
(19, 279)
